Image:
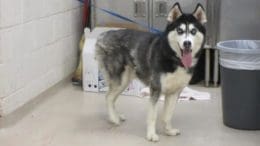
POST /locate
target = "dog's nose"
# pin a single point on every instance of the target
(187, 44)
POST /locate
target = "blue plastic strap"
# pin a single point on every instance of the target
(154, 30)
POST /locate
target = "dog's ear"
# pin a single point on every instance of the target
(200, 14)
(174, 13)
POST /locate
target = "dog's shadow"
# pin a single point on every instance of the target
(97, 123)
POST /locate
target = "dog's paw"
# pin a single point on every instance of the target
(122, 118)
(172, 132)
(115, 120)
(152, 137)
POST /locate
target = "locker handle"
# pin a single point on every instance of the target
(136, 8)
(161, 9)
(140, 8)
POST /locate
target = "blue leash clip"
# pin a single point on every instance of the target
(151, 29)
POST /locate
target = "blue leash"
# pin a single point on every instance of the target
(153, 30)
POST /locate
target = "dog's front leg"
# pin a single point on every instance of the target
(152, 117)
(169, 105)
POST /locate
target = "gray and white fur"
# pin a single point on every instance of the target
(155, 60)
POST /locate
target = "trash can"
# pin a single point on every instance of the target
(240, 79)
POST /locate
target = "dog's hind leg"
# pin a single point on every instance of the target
(115, 88)
(152, 116)
(169, 104)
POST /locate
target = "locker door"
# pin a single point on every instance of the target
(134, 9)
(240, 19)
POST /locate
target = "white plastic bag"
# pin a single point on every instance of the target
(240, 54)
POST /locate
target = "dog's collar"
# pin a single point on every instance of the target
(188, 70)
(181, 65)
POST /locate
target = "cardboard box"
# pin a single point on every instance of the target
(93, 79)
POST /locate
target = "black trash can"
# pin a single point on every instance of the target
(240, 79)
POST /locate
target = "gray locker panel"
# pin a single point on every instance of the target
(213, 16)
(137, 10)
(240, 19)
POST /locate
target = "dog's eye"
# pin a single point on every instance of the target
(180, 31)
(193, 31)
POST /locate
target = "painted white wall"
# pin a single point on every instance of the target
(38, 47)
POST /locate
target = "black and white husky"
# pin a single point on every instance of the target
(163, 62)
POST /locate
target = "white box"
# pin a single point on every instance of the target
(93, 80)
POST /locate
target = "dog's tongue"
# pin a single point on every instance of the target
(186, 59)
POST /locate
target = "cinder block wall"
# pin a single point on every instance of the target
(38, 47)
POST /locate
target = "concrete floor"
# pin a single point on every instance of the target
(66, 116)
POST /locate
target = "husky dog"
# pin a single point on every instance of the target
(163, 62)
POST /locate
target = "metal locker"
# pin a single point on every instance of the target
(137, 10)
